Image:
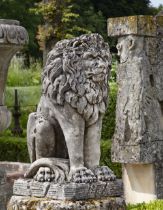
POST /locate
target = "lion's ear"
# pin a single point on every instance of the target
(131, 44)
(77, 43)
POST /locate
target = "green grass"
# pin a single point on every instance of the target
(19, 76)
(155, 205)
(28, 96)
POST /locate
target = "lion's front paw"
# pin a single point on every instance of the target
(103, 173)
(44, 174)
(82, 175)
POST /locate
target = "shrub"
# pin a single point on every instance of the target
(108, 124)
(106, 158)
(13, 148)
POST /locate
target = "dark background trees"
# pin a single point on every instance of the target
(48, 21)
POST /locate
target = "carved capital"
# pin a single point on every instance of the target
(12, 33)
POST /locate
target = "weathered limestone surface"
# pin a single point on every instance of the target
(3, 195)
(9, 171)
(64, 134)
(26, 203)
(68, 120)
(69, 190)
(136, 25)
(139, 183)
(139, 129)
(12, 38)
(138, 137)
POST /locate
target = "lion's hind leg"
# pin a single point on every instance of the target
(31, 137)
(40, 137)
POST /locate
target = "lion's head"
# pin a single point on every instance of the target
(77, 72)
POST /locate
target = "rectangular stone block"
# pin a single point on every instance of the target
(22, 187)
(39, 189)
(138, 25)
(82, 191)
(100, 187)
(55, 191)
(113, 189)
(92, 190)
(68, 191)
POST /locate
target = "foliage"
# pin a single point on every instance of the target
(28, 100)
(106, 158)
(66, 19)
(13, 148)
(19, 76)
(112, 8)
(109, 118)
(155, 205)
(20, 10)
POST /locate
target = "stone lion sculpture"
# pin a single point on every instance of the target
(67, 124)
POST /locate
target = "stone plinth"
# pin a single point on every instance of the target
(29, 194)
(12, 39)
(9, 172)
(28, 203)
(67, 190)
(138, 138)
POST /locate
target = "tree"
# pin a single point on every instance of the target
(66, 19)
(20, 10)
(112, 8)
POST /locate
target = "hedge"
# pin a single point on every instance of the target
(106, 158)
(109, 118)
(15, 149)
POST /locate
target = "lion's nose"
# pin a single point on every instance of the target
(100, 64)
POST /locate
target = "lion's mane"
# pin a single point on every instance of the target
(64, 78)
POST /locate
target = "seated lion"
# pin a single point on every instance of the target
(74, 98)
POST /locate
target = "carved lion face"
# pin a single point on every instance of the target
(96, 65)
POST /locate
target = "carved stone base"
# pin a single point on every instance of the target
(28, 203)
(68, 190)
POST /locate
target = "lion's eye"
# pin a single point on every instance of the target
(91, 57)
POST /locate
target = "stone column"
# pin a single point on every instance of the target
(12, 39)
(138, 138)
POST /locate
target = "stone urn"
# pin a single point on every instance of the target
(13, 37)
